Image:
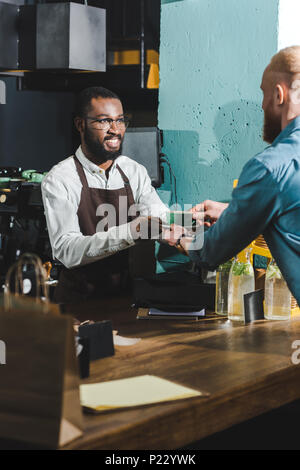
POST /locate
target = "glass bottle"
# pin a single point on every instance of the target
(241, 282)
(277, 294)
(222, 278)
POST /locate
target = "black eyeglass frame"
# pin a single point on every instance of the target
(125, 120)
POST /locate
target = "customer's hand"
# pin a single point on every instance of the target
(208, 212)
(177, 236)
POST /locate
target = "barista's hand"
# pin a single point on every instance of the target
(208, 212)
(174, 237)
(146, 228)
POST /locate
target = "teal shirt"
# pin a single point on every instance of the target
(266, 201)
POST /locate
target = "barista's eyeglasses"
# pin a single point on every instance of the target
(106, 123)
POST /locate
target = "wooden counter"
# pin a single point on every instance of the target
(246, 369)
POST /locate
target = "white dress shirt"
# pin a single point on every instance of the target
(61, 191)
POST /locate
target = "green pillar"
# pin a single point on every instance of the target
(212, 56)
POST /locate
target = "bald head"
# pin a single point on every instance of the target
(284, 67)
(286, 61)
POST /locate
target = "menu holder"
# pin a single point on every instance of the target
(156, 314)
(253, 306)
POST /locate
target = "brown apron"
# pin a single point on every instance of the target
(108, 275)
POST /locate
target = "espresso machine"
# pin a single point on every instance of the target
(23, 227)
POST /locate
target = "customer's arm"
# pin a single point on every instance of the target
(253, 206)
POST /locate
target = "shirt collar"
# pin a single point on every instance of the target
(289, 129)
(88, 165)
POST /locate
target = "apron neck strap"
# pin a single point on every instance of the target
(130, 198)
(85, 185)
(83, 179)
(81, 173)
(123, 176)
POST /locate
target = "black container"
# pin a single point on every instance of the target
(100, 338)
(181, 291)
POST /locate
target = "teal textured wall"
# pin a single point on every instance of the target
(212, 56)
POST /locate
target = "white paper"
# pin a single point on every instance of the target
(134, 391)
(121, 341)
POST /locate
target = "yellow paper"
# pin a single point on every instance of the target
(135, 391)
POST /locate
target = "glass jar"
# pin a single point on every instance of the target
(241, 282)
(222, 278)
(277, 294)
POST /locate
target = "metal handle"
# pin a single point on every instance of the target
(40, 278)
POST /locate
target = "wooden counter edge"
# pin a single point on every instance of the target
(192, 420)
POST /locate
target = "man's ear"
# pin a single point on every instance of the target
(280, 94)
(79, 124)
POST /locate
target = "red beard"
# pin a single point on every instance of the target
(272, 127)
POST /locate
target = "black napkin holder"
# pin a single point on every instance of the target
(100, 337)
(254, 306)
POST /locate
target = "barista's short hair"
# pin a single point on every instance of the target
(85, 97)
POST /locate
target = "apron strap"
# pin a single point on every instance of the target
(130, 198)
(81, 173)
(123, 176)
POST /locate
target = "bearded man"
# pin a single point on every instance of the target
(90, 202)
(267, 198)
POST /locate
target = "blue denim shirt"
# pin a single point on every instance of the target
(266, 201)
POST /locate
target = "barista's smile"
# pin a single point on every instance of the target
(112, 143)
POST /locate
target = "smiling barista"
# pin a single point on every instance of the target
(77, 192)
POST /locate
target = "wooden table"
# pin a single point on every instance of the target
(246, 369)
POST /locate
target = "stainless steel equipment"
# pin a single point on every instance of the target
(52, 36)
